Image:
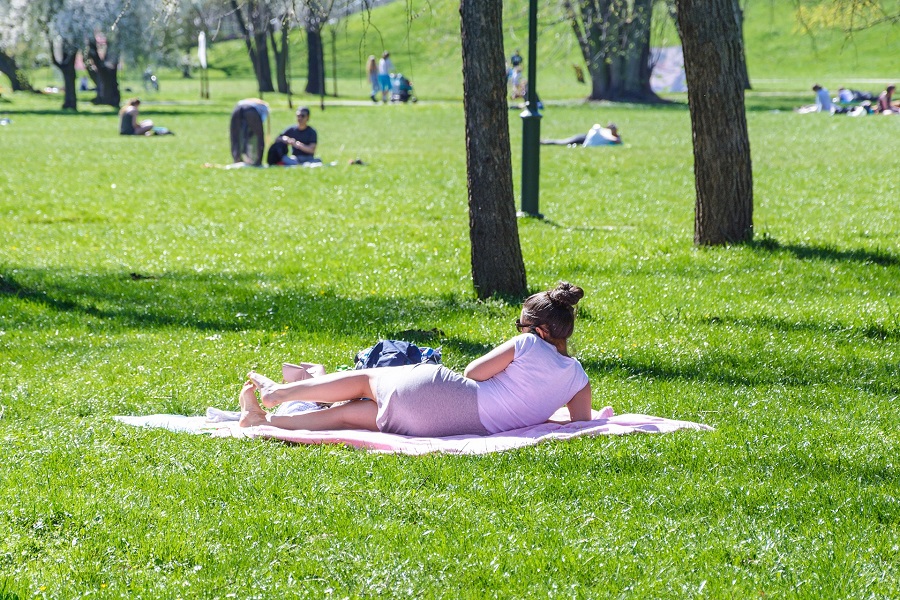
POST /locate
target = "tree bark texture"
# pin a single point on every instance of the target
(739, 17)
(260, 38)
(18, 81)
(497, 264)
(713, 58)
(105, 74)
(66, 66)
(250, 31)
(614, 37)
(280, 49)
(315, 65)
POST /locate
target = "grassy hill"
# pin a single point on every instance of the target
(783, 54)
(423, 38)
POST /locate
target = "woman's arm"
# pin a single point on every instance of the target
(491, 363)
(580, 405)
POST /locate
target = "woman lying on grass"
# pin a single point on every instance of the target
(520, 383)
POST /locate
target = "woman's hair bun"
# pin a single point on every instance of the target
(566, 294)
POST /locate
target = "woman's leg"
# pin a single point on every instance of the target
(355, 415)
(144, 127)
(334, 387)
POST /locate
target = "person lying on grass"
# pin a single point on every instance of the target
(520, 383)
(596, 136)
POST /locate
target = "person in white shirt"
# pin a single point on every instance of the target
(597, 136)
(385, 68)
(519, 383)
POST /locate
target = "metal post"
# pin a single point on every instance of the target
(531, 125)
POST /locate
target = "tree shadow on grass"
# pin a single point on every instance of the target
(558, 225)
(826, 253)
(874, 331)
(235, 303)
(146, 109)
(730, 367)
(224, 302)
(719, 368)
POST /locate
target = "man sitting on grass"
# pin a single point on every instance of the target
(301, 139)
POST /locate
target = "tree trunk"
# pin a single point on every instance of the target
(262, 56)
(315, 69)
(66, 65)
(280, 50)
(614, 37)
(497, 265)
(18, 81)
(713, 56)
(739, 17)
(105, 75)
(263, 76)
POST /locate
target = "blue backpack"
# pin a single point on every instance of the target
(395, 353)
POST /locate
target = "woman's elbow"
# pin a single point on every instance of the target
(476, 372)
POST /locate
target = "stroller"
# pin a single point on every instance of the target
(402, 89)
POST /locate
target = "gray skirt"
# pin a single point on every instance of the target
(426, 400)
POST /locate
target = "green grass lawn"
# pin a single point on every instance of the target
(789, 347)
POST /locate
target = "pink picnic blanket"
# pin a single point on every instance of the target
(219, 423)
(604, 422)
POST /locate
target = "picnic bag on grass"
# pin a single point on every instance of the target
(395, 353)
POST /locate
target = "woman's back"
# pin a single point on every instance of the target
(536, 384)
(126, 121)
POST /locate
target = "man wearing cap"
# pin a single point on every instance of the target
(301, 139)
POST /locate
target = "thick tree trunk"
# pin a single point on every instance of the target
(315, 66)
(263, 75)
(713, 55)
(280, 50)
(106, 76)
(497, 264)
(18, 81)
(614, 37)
(66, 65)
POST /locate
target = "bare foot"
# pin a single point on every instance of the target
(268, 389)
(251, 412)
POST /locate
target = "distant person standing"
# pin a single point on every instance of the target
(514, 75)
(372, 74)
(385, 68)
(248, 138)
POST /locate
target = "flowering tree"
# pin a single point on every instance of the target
(13, 42)
(102, 30)
(614, 37)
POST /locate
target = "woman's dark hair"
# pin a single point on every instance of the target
(131, 102)
(555, 309)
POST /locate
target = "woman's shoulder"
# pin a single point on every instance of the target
(531, 342)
